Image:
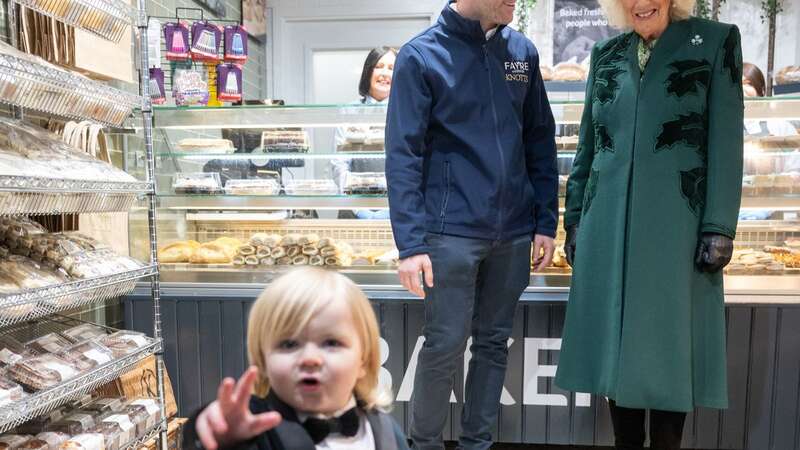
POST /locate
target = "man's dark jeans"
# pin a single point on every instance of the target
(477, 284)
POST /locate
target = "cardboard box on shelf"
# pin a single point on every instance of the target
(141, 382)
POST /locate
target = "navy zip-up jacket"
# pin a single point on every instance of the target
(470, 137)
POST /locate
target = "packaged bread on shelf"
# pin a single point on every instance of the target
(75, 423)
(145, 413)
(120, 424)
(105, 405)
(84, 332)
(35, 444)
(9, 391)
(42, 372)
(125, 342)
(178, 252)
(86, 441)
(53, 438)
(87, 355)
(11, 351)
(13, 441)
(49, 343)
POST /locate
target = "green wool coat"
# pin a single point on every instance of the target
(659, 162)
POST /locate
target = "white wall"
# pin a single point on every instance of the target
(298, 28)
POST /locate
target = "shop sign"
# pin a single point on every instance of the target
(577, 25)
(533, 371)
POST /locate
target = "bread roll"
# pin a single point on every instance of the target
(213, 253)
(251, 260)
(332, 261)
(316, 261)
(326, 242)
(258, 239)
(278, 252)
(293, 251)
(308, 239)
(267, 261)
(263, 252)
(328, 251)
(178, 252)
(272, 240)
(300, 260)
(285, 261)
(246, 250)
(289, 240)
(238, 260)
(310, 250)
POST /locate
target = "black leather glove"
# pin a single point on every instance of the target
(714, 251)
(570, 243)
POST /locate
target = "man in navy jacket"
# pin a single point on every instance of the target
(471, 168)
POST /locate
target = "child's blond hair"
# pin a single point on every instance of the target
(287, 305)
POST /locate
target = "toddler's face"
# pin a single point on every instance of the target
(317, 371)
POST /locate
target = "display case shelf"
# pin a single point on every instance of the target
(30, 195)
(29, 84)
(40, 302)
(108, 19)
(44, 401)
(250, 202)
(196, 156)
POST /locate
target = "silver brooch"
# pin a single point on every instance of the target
(697, 40)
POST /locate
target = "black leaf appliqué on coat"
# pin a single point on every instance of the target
(590, 190)
(608, 69)
(603, 140)
(693, 188)
(687, 76)
(689, 129)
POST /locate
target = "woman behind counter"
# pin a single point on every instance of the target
(374, 87)
(651, 212)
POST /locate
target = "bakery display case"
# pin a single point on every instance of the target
(262, 188)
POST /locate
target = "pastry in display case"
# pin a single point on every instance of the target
(365, 183)
(206, 145)
(284, 141)
(200, 183)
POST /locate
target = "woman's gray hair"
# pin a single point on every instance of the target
(618, 17)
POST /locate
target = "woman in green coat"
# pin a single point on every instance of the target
(651, 212)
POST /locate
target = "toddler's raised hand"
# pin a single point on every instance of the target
(228, 420)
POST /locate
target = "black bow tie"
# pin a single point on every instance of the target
(347, 425)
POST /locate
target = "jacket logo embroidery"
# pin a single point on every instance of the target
(687, 76)
(689, 129)
(517, 71)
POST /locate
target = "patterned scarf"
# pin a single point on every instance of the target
(645, 49)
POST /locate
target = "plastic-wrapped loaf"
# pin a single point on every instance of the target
(13, 441)
(42, 372)
(9, 391)
(50, 343)
(75, 423)
(125, 342)
(84, 332)
(144, 413)
(122, 424)
(88, 355)
(86, 441)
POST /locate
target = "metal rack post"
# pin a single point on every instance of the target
(155, 284)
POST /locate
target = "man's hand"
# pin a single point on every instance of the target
(409, 273)
(543, 249)
(228, 420)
